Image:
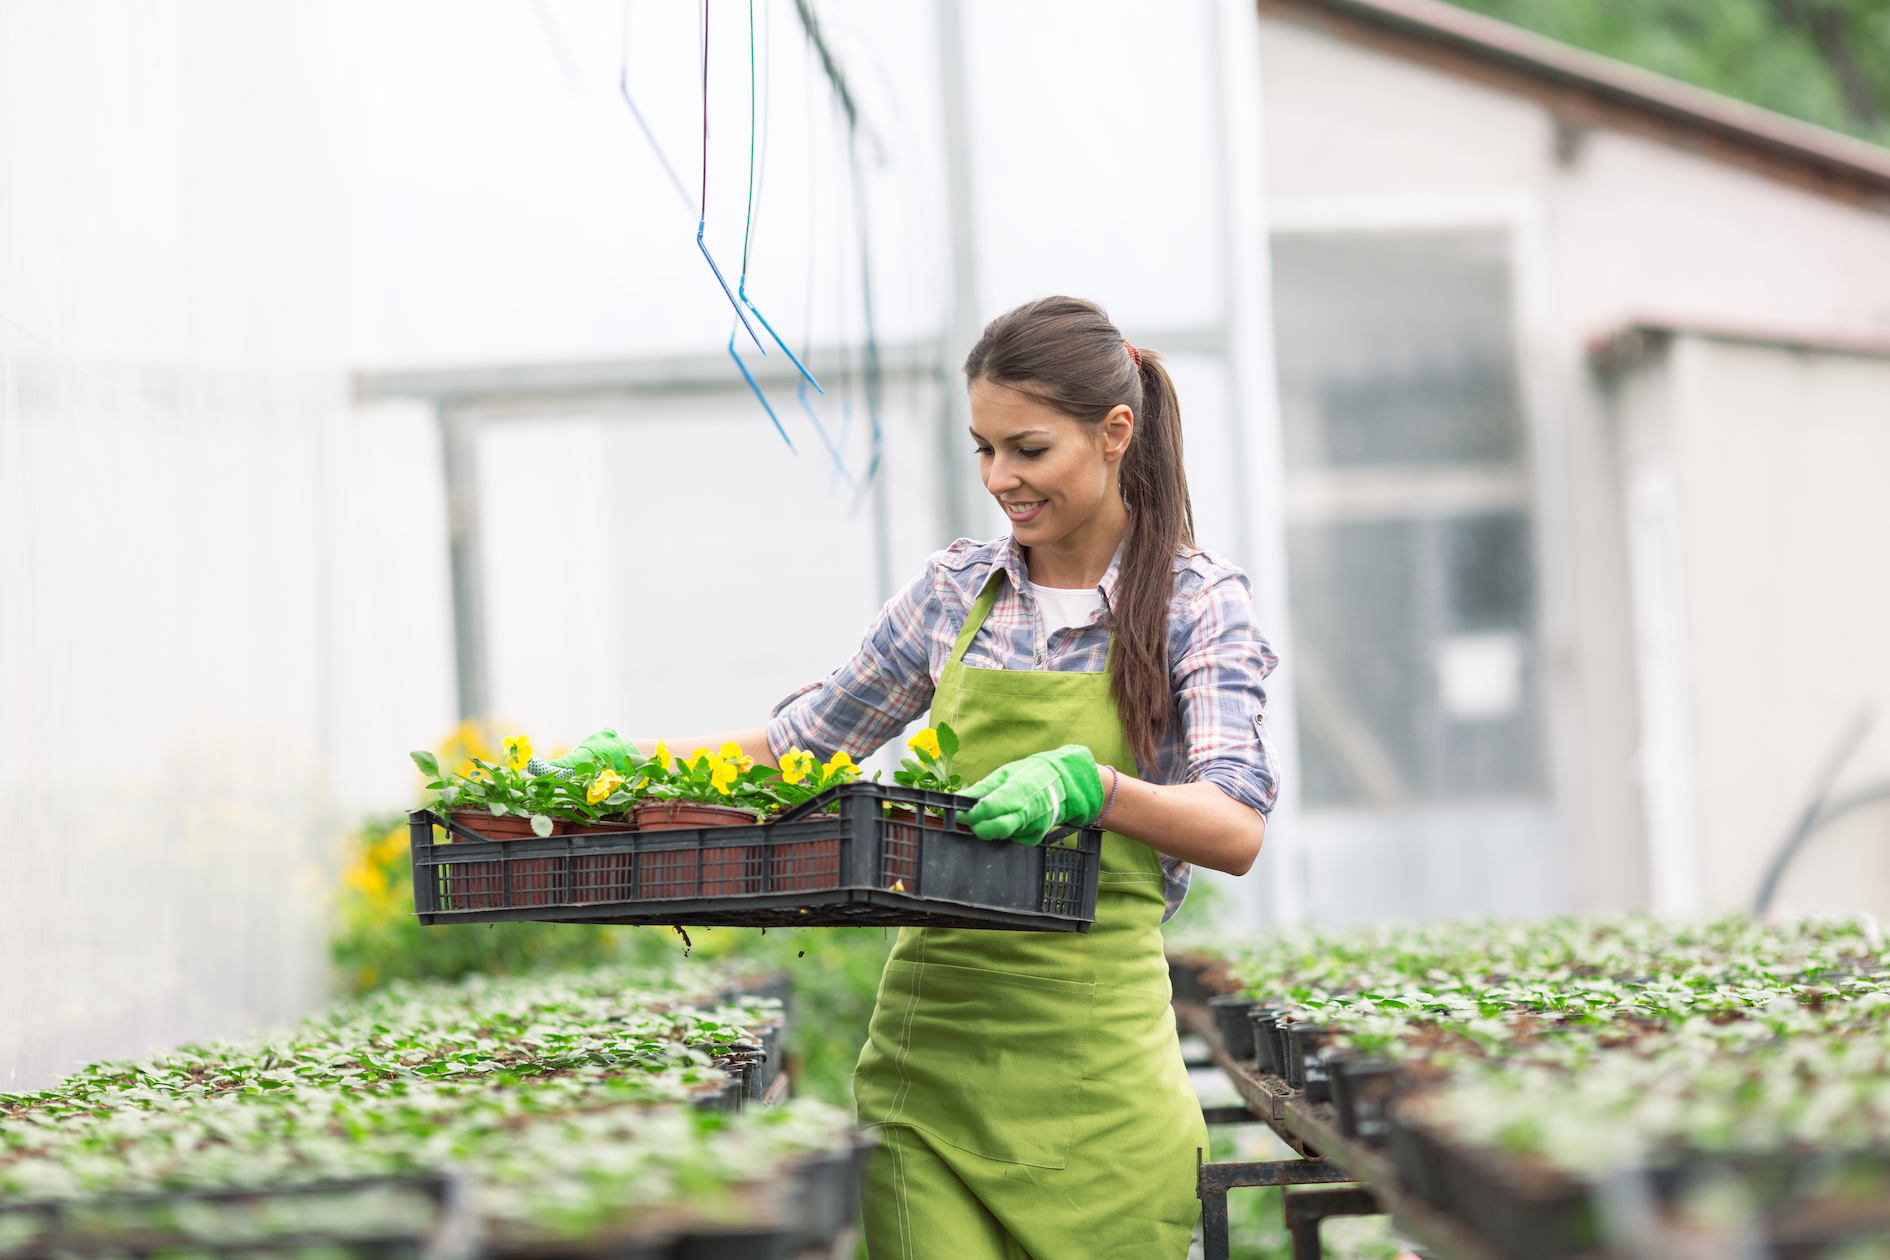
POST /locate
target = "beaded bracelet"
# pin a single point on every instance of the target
(1115, 781)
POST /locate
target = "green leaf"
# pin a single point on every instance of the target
(428, 763)
(947, 740)
(541, 825)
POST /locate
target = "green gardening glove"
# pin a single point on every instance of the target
(1025, 800)
(605, 745)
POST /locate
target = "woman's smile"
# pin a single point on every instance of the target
(1025, 511)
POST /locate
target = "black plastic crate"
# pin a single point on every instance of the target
(856, 867)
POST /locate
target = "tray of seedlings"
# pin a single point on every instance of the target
(715, 840)
(1620, 1086)
(610, 1112)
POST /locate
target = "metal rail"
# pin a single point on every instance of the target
(1327, 1156)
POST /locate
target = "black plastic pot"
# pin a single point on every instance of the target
(1231, 1020)
(1184, 980)
(1310, 1040)
(827, 1196)
(766, 1242)
(1269, 1043)
(1362, 1092)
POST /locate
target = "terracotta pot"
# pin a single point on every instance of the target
(481, 885)
(732, 870)
(674, 815)
(665, 873)
(806, 865)
(503, 827)
(601, 876)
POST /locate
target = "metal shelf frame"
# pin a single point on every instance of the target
(1327, 1156)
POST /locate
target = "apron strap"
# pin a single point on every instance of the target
(974, 620)
(987, 600)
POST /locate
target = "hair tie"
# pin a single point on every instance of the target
(1133, 353)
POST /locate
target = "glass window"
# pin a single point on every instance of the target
(1410, 543)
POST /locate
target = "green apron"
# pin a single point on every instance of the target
(1041, 1068)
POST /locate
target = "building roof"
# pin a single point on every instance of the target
(1637, 339)
(1585, 90)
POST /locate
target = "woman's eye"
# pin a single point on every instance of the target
(982, 451)
(1032, 452)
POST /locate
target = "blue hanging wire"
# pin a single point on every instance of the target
(699, 207)
(763, 398)
(811, 25)
(748, 236)
(702, 223)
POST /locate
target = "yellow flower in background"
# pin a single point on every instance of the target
(722, 774)
(796, 764)
(518, 751)
(925, 743)
(840, 761)
(662, 756)
(468, 742)
(606, 782)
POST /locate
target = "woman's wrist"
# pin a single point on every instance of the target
(1115, 783)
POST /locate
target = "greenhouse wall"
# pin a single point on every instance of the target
(172, 448)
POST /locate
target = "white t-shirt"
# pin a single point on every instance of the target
(1063, 608)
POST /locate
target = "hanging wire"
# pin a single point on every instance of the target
(844, 95)
(701, 205)
(748, 228)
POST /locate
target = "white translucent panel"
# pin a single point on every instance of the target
(1434, 862)
(1396, 348)
(172, 377)
(676, 569)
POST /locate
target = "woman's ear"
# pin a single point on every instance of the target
(1116, 430)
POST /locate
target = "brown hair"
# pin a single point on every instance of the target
(1064, 352)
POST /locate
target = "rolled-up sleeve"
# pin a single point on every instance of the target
(869, 699)
(1219, 664)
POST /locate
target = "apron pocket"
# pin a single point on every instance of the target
(990, 1061)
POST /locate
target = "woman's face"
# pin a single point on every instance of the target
(1051, 474)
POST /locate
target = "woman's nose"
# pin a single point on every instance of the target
(999, 477)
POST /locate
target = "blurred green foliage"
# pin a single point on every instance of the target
(376, 939)
(1825, 61)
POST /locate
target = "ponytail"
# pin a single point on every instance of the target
(1065, 353)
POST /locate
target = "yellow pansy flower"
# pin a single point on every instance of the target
(722, 774)
(925, 743)
(732, 751)
(840, 761)
(696, 758)
(796, 765)
(518, 751)
(603, 785)
(662, 756)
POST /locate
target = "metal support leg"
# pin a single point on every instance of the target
(1305, 1209)
(1213, 1181)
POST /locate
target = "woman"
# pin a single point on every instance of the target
(1027, 1088)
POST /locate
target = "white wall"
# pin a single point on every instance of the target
(1776, 461)
(172, 380)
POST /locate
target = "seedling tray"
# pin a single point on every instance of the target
(855, 867)
(423, 1217)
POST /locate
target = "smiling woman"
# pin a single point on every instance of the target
(1097, 668)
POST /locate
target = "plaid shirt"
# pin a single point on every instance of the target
(1216, 659)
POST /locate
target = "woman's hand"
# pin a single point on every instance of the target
(1024, 800)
